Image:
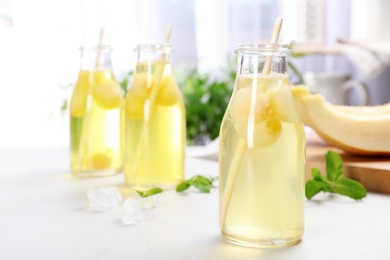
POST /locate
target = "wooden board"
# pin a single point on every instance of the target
(372, 172)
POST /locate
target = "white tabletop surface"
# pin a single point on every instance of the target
(44, 215)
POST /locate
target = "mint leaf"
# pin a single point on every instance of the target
(150, 192)
(312, 188)
(200, 182)
(334, 182)
(203, 184)
(316, 174)
(350, 188)
(334, 166)
(182, 186)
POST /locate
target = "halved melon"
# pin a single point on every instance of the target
(298, 92)
(349, 128)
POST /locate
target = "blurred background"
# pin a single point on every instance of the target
(39, 42)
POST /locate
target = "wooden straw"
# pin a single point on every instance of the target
(241, 146)
(274, 39)
(99, 47)
(153, 96)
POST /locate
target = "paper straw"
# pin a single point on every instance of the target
(241, 146)
(274, 39)
(99, 47)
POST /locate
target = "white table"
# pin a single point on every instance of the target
(44, 215)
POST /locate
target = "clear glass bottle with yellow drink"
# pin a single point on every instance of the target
(262, 153)
(154, 137)
(95, 116)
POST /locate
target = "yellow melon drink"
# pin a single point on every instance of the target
(262, 137)
(154, 128)
(95, 121)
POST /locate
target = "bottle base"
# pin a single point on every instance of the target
(144, 187)
(262, 243)
(96, 173)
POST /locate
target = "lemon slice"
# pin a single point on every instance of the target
(107, 94)
(98, 161)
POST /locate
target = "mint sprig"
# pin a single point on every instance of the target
(203, 184)
(150, 192)
(334, 182)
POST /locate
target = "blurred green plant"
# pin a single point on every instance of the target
(292, 66)
(206, 100)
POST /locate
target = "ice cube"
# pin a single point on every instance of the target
(102, 199)
(148, 202)
(132, 214)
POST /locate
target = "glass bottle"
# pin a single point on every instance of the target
(262, 153)
(95, 116)
(154, 122)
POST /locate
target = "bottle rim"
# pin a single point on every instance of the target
(164, 48)
(250, 48)
(103, 48)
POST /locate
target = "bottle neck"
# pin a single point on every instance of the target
(255, 63)
(93, 59)
(262, 58)
(154, 52)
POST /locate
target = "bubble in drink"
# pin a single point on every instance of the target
(132, 214)
(102, 199)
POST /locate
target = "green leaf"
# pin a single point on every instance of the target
(335, 182)
(203, 184)
(334, 166)
(150, 192)
(200, 182)
(204, 188)
(316, 174)
(312, 188)
(296, 72)
(350, 188)
(182, 186)
(153, 191)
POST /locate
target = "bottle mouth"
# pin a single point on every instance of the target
(162, 48)
(269, 48)
(103, 48)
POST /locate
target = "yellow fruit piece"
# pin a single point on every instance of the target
(137, 94)
(79, 95)
(240, 107)
(134, 106)
(283, 104)
(78, 102)
(299, 91)
(267, 127)
(98, 161)
(265, 133)
(107, 94)
(364, 134)
(168, 94)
